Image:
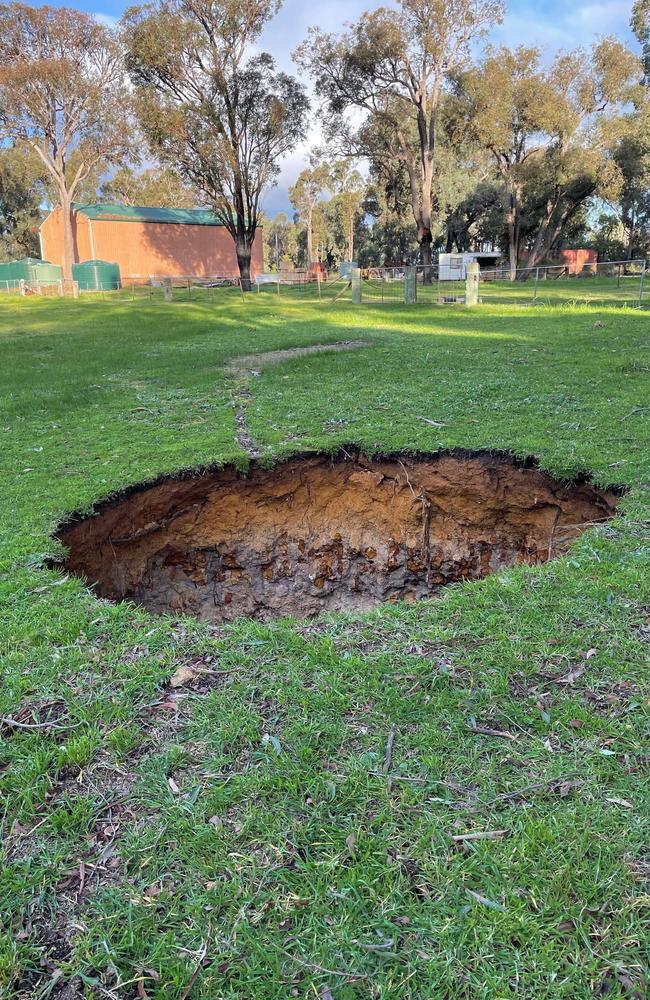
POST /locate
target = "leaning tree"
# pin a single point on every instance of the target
(383, 80)
(221, 116)
(62, 94)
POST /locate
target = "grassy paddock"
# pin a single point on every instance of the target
(237, 839)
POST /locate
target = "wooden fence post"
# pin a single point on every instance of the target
(410, 294)
(471, 283)
(355, 276)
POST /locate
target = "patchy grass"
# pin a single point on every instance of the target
(238, 837)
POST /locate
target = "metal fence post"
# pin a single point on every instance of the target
(355, 278)
(471, 283)
(535, 286)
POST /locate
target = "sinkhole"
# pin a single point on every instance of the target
(322, 533)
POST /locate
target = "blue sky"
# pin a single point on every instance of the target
(550, 24)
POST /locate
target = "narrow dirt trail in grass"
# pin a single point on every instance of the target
(244, 368)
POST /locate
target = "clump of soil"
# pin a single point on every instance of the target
(320, 533)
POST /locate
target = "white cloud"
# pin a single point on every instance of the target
(108, 20)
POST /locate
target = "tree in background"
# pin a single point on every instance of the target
(305, 195)
(349, 190)
(21, 194)
(61, 93)
(280, 243)
(477, 219)
(392, 66)
(632, 155)
(221, 117)
(327, 248)
(579, 162)
(155, 187)
(550, 133)
(509, 105)
(640, 24)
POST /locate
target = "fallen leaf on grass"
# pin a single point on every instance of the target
(184, 675)
(351, 841)
(273, 741)
(174, 787)
(188, 672)
(621, 802)
(481, 835)
(486, 731)
(572, 676)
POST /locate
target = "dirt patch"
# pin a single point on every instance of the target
(253, 362)
(320, 533)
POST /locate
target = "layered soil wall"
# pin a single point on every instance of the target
(319, 533)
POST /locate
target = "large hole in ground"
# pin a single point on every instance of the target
(323, 533)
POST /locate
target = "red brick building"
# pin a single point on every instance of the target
(148, 242)
(577, 261)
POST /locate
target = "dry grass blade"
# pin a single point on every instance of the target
(480, 835)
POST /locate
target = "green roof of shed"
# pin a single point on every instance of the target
(140, 213)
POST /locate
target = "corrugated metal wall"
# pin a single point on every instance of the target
(143, 249)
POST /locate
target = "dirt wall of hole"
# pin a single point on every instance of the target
(319, 533)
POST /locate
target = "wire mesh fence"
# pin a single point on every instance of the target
(607, 283)
(611, 283)
(19, 286)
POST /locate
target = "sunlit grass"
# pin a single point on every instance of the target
(299, 869)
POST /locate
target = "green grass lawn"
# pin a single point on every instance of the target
(237, 838)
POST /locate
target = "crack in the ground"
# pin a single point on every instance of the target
(244, 368)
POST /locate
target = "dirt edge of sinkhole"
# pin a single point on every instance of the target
(325, 532)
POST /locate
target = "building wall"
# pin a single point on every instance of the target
(52, 237)
(578, 260)
(143, 249)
